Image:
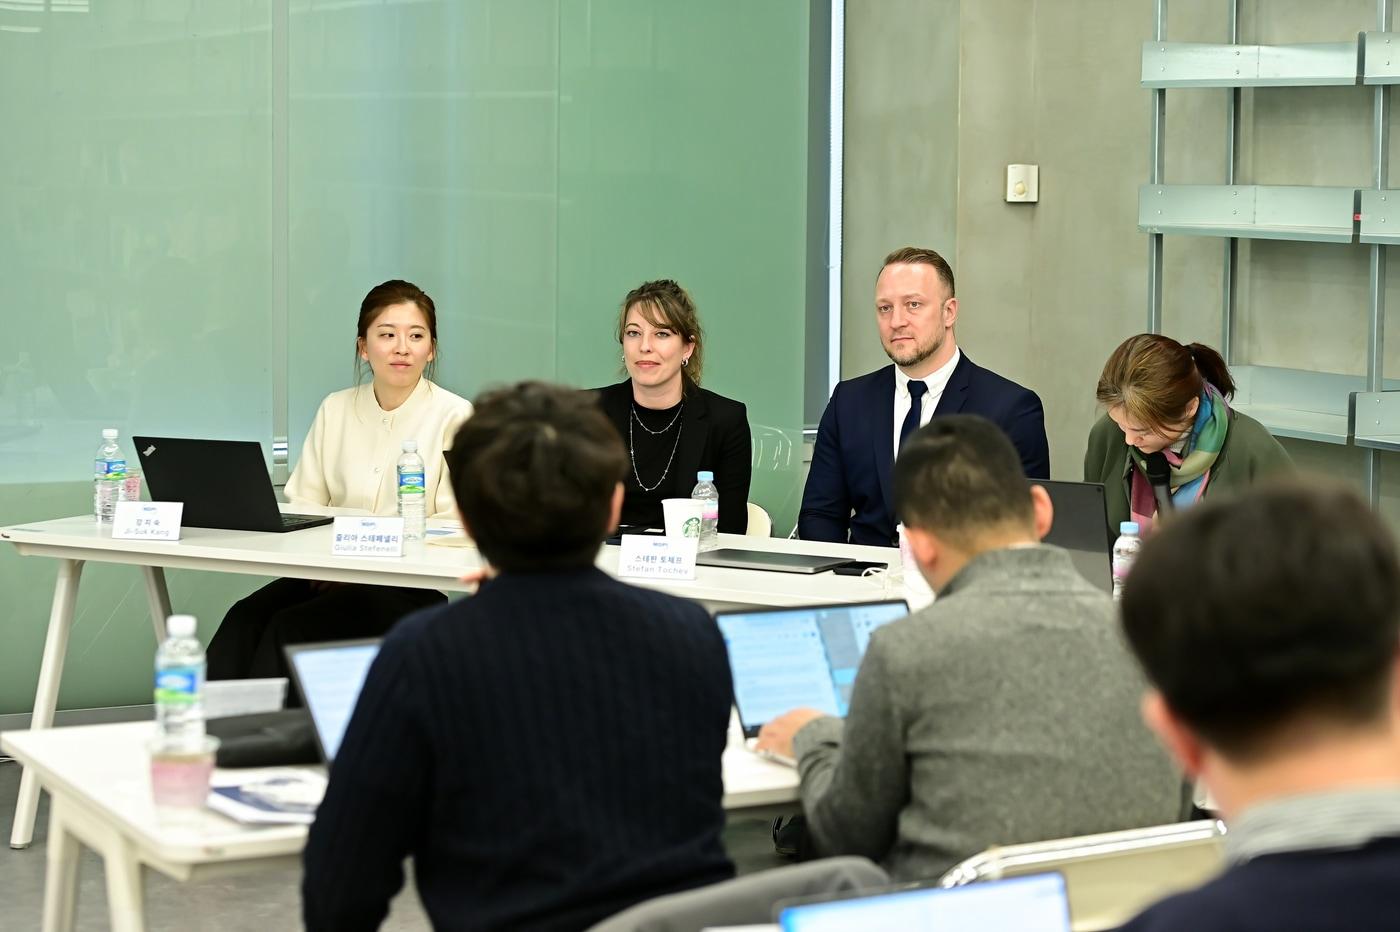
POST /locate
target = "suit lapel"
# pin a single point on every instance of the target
(955, 392)
(881, 409)
(694, 429)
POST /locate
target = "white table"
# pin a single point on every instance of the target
(98, 780)
(307, 555)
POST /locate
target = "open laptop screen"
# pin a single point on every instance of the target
(788, 658)
(330, 677)
(1037, 903)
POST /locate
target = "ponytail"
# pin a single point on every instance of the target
(1212, 367)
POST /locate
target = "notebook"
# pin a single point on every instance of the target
(1037, 903)
(788, 658)
(223, 483)
(1081, 527)
(330, 677)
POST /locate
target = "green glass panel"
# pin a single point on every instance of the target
(134, 231)
(527, 162)
(683, 145)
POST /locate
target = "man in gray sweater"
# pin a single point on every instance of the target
(1006, 711)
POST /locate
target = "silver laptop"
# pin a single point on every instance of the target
(330, 677)
(787, 658)
(766, 560)
(1037, 903)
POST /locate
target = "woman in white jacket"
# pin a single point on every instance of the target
(348, 461)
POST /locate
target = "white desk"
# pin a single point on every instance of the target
(307, 555)
(98, 780)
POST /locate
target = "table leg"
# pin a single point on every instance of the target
(65, 597)
(61, 884)
(159, 598)
(124, 894)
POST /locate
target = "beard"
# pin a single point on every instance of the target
(917, 354)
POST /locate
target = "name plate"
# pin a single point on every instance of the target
(645, 556)
(362, 536)
(147, 520)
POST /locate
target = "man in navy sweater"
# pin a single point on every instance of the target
(1268, 626)
(548, 750)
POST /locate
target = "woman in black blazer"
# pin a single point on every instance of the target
(673, 428)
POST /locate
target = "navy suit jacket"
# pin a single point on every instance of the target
(850, 487)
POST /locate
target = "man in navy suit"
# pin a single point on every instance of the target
(848, 495)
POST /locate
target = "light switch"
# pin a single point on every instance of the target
(1022, 184)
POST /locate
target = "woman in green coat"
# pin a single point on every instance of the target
(1169, 402)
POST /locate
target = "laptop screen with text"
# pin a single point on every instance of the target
(788, 658)
(330, 677)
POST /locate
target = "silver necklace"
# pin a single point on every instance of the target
(656, 433)
(632, 452)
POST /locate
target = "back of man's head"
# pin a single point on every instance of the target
(960, 478)
(534, 470)
(1278, 608)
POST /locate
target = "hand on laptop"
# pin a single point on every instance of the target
(776, 736)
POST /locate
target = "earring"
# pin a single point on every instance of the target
(685, 362)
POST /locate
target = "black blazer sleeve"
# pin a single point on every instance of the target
(732, 442)
(826, 502)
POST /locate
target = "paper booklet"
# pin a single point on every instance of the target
(288, 797)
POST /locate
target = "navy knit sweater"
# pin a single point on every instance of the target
(1347, 890)
(548, 752)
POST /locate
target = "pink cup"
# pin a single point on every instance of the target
(180, 778)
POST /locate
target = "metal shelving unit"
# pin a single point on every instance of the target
(1323, 407)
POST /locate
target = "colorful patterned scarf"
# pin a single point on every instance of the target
(1190, 469)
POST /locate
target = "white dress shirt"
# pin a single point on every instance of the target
(937, 380)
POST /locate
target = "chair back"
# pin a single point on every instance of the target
(1110, 877)
(760, 525)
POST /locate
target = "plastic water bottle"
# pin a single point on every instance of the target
(412, 492)
(1125, 551)
(708, 496)
(180, 670)
(108, 476)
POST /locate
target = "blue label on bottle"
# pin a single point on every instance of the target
(109, 469)
(411, 482)
(177, 685)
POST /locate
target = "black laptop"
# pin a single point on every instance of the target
(223, 483)
(1081, 527)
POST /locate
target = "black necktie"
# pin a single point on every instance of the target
(917, 387)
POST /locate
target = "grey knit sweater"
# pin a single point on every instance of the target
(1005, 712)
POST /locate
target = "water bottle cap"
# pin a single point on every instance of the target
(410, 446)
(109, 433)
(1128, 527)
(180, 626)
(705, 475)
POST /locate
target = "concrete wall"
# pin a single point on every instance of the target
(901, 145)
(1048, 290)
